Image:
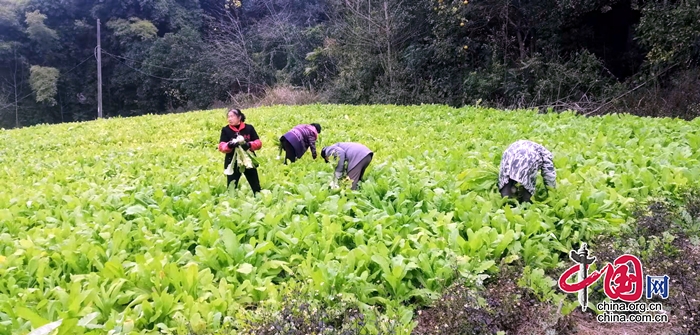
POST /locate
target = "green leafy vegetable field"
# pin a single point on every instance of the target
(125, 226)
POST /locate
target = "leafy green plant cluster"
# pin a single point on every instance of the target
(126, 226)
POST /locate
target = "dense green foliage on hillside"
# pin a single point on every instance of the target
(173, 55)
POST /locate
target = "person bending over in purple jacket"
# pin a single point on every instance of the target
(357, 157)
(296, 141)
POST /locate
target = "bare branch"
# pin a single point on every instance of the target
(632, 90)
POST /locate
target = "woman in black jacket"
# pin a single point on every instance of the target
(248, 141)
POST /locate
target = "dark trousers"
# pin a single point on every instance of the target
(288, 149)
(250, 174)
(518, 192)
(358, 172)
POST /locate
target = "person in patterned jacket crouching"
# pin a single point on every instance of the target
(519, 166)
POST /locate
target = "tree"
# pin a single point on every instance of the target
(671, 32)
(134, 28)
(38, 32)
(263, 43)
(12, 87)
(373, 29)
(232, 51)
(43, 82)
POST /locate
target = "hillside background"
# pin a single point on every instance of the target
(161, 56)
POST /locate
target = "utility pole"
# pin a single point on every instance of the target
(99, 73)
(14, 79)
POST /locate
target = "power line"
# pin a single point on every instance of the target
(18, 100)
(148, 74)
(119, 59)
(158, 66)
(30, 94)
(81, 63)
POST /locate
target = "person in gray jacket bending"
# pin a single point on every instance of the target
(519, 166)
(357, 157)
